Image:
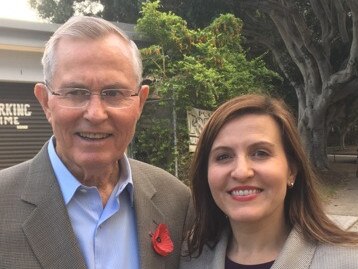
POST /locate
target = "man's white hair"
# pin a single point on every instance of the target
(85, 27)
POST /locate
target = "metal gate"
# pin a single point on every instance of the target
(23, 125)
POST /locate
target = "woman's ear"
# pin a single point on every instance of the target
(41, 94)
(292, 172)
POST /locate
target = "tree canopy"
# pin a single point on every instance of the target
(198, 68)
(128, 11)
(315, 44)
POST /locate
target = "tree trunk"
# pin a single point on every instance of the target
(342, 140)
(315, 44)
(313, 133)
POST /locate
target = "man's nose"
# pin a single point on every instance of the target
(96, 109)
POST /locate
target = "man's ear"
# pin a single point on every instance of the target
(143, 95)
(42, 96)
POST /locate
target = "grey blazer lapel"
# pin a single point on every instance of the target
(148, 216)
(48, 228)
(210, 258)
(297, 253)
(220, 253)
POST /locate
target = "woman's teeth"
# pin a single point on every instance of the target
(245, 192)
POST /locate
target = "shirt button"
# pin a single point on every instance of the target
(83, 190)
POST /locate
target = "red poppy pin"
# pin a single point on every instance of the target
(161, 241)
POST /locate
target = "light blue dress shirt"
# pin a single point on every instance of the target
(107, 236)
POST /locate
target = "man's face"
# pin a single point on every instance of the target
(93, 136)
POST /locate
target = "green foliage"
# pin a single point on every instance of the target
(155, 132)
(55, 11)
(58, 11)
(128, 11)
(198, 68)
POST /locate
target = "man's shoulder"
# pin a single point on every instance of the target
(156, 175)
(14, 173)
(12, 183)
(149, 169)
(144, 165)
(19, 172)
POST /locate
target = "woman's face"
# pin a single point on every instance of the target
(248, 171)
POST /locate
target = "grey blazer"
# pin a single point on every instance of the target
(36, 232)
(297, 253)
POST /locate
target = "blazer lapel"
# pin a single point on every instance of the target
(296, 253)
(218, 260)
(148, 217)
(48, 228)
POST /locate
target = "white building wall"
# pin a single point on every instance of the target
(21, 47)
(22, 44)
(20, 66)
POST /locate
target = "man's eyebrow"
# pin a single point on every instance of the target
(73, 85)
(115, 85)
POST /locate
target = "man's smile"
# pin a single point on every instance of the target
(93, 136)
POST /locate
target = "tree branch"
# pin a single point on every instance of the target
(264, 5)
(296, 50)
(324, 20)
(326, 8)
(321, 60)
(354, 47)
(351, 70)
(341, 20)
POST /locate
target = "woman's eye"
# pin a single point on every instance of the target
(260, 154)
(222, 157)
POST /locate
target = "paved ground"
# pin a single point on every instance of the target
(343, 206)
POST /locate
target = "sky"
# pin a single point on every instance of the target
(17, 10)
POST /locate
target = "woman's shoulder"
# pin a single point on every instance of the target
(298, 252)
(211, 257)
(333, 256)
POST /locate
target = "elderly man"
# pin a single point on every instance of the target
(80, 202)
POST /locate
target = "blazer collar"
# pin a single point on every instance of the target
(48, 229)
(296, 253)
(148, 216)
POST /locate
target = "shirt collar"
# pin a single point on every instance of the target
(69, 184)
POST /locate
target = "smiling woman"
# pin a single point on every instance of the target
(256, 195)
(18, 10)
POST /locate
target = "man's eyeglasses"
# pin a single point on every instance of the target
(80, 97)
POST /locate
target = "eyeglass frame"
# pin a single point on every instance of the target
(50, 89)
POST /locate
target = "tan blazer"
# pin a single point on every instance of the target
(297, 253)
(35, 230)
